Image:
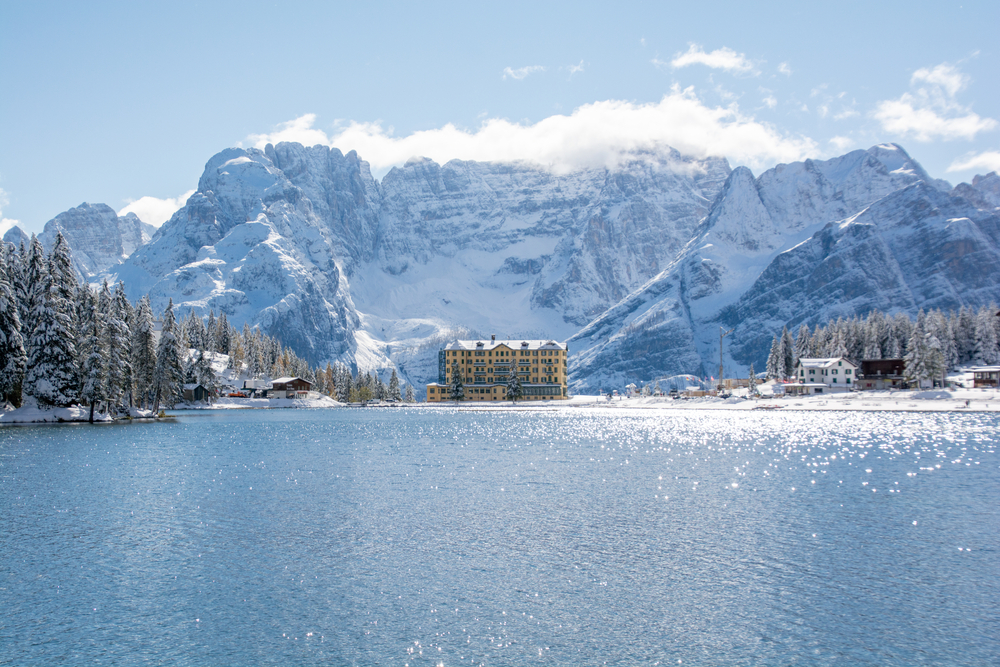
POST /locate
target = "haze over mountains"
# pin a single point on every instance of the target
(636, 267)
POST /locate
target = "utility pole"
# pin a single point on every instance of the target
(722, 334)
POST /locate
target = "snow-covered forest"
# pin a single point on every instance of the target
(931, 345)
(65, 343)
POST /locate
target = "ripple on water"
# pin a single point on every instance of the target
(417, 536)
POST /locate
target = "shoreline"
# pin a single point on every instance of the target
(943, 400)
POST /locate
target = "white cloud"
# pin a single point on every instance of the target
(930, 110)
(522, 72)
(574, 69)
(770, 101)
(724, 58)
(785, 69)
(841, 144)
(597, 134)
(154, 211)
(980, 162)
(5, 223)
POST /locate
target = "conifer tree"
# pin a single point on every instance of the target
(222, 334)
(52, 376)
(752, 380)
(13, 358)
(987, 351)
(456, 390)
(803, 341)
(94, 371)
(787, 353)
(118, 341)
(394, 394)
(144, 352)
(514, 390)
(168, 378)
(775, 360)
(36, 272)
(409, 394)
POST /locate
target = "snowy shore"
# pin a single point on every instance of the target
(937, 400)
(75, 413)
(234, 403)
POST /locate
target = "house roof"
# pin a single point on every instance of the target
(514, 344)
(286, 380)
(822, 362)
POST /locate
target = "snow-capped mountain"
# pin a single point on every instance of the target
(730, 273)
(637, 266)
(306, 243)
(98, 237)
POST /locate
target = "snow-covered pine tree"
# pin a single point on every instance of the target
(394, 394)
(210, 331)
(118, 341)
(63, 273)
(144, 352)
(965, 334)
(837, 344)
(52, 376)
(456, 389)
(914, 359)
(873, 333)
(656, 389)
(803, 342)
(344, 383)
(752, 382)
(168, 377)
(410, 398)
(787, 347)
(514, 390)
(222, 336)
(94, 371)
(36, 272)
(987, 351)
(84, 314)
(22, 288)
(775, 361)
(13, 358)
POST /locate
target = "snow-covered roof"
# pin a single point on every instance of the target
(513, 344)
(286, 380)
(985, 369)
(822, 363)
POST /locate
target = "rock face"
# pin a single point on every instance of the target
(342, 267)
(637, 267)
(16, 236)
(98, 237)
(787, 248)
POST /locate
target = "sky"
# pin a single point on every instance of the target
(124, 102)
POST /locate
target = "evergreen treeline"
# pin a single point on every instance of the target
(63, 343)
(931, 345)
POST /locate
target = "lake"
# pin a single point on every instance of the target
(477, 537)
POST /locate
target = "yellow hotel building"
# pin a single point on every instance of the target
(542, 366)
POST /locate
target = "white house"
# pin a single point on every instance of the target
(818, 376)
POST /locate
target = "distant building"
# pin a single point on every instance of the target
(287, 387)
(195, 392)
(986, 376)
(484, 366)
(882, 374)
(822, 375)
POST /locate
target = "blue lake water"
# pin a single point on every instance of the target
(463, 537)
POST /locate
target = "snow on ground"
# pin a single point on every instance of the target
(32, 414)
(227, 403)
(936, 400)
